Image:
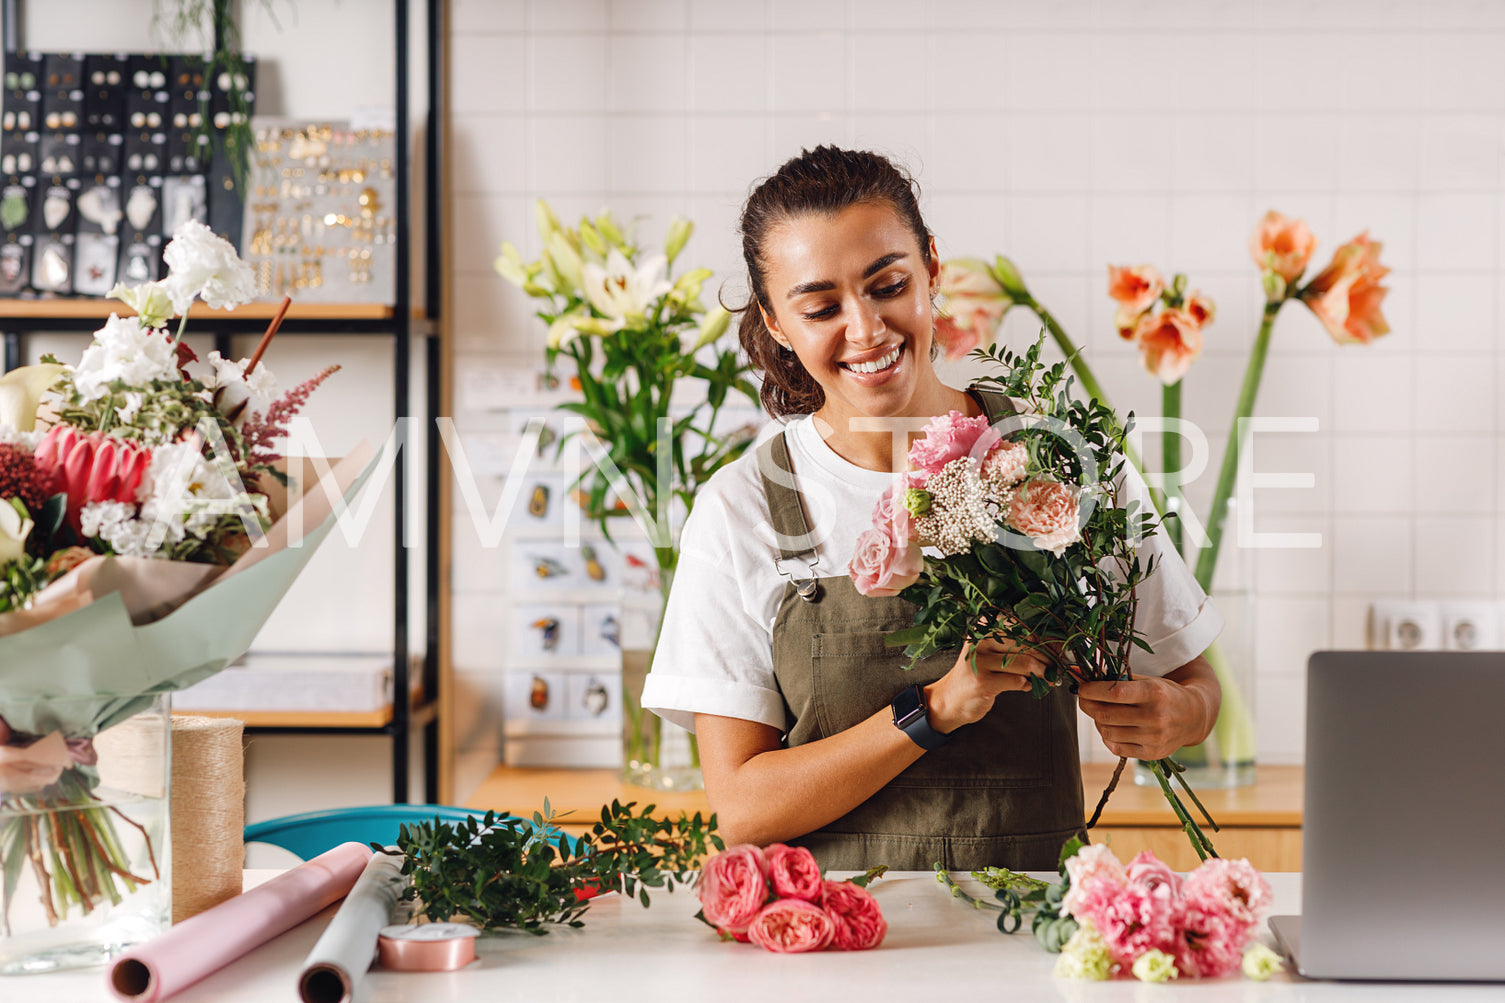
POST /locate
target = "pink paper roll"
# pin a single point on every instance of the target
(206, 943)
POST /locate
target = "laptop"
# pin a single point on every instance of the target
(1403, 836)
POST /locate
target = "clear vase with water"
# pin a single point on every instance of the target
(83, 830)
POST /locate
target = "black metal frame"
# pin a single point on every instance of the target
(401, 328)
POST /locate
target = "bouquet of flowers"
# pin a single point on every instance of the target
(142, 545)
(1034, 542)
(777, 898)
(1145, 920)
(631, 337)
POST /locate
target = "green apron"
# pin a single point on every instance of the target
(1005, 791)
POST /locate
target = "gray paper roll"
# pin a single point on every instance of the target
(348, 946)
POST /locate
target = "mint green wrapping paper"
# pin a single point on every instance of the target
(97, 652)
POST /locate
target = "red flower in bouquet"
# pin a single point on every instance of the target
(91, 467)
(1346, 295)
(20, 477)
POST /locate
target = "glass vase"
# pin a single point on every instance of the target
(83, 829)
(655, 753)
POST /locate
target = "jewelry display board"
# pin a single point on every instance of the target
(102, 157)
(319, 222)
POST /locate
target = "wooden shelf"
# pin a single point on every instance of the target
(303, 718)
(99, 309)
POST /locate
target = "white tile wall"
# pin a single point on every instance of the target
(1062, 135)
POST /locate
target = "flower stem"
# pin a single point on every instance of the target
(1207, 560)
(1170, 463)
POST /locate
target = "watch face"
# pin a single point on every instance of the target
(909, 706)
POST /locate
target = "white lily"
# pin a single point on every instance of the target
(21, 392)
(622, 293)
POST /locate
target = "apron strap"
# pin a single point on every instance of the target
(994, 403)
(785, 507)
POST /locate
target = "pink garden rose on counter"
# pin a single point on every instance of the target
(777, 898)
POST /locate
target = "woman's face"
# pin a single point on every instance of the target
(851, 297)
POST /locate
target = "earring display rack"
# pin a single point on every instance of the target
(415, 659)
(319, 220)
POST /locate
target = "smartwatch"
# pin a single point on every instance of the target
(911, 716)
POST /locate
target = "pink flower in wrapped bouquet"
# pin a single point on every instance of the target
(1346, 295)
(1048, 513)
(91, 467)
(951, 437)
(884, 564)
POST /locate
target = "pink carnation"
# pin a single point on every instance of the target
(1131, 919)
(1209, 940)
(1047, 512)
(951, 437)
(1091, 865)
(884, 566)
(791, 926)
(733, 887)
(1149, 872)
(1234, 885)
(793, 872)
(1004, 467)
(859, 923)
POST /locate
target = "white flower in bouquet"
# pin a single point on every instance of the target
(185, 494)
(14, 528)
(21, 391)
(150, 300)
(204, 265)
(116, 524)
(124, 350)
(233, 389)
(622, 293)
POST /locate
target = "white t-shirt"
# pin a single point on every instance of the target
(715, 653)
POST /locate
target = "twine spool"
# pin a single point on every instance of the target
(208, 813)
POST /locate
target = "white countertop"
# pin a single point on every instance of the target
(936, 948)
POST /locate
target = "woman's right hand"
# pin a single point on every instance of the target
(963, 696)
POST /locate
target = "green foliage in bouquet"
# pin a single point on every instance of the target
(501, 872)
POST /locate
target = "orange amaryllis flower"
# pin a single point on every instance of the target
(1346, 295)
(1136, 288)
(972, 307)
(1201, 308)
(1282, 245)
(1169, 342)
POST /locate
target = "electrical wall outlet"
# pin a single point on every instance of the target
(1470, 626)
(1405, 625)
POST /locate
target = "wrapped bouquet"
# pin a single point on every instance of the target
(1032, 540)
(148, 527)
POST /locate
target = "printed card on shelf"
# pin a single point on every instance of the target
(601, 629)
(537, 696)
(593, 696)
(545, 631)
(546, 564)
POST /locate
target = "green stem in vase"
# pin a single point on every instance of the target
(1170, 448)
(1207, 560)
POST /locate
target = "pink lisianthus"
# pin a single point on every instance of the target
(950, 437)
(859, 923)
(1048, 513)
(1091, 865)
(1169, 342)
(733, 887)
(1209, 940)
(883, 565)
(973, 305)
(1131, 919)
(1282, 245)
(1346, 295)
(1150, 872)
(1233, 885)
(793, 872)
(1135, 289)
(791, 926)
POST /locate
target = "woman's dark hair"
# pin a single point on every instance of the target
(823, 182)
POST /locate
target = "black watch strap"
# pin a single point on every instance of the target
(912, 717)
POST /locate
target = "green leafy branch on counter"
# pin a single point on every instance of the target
(505, 872)
(1017, 894)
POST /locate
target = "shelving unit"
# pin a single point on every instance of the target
(402, 322)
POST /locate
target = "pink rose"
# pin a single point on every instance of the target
(884, 566)
(1047, 512)
(1235, 885)
(794, 872)
(28, 769)
(950, 437)
(1149, 872)
(791, 926)
(890, 513)
(733, 887)
(1091, 865)
(859, 922)
(1281, 245)
(1169, 342)
(1346, 295)
(1135, 288)
(973, 305)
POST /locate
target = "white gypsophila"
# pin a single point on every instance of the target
(116, 524)
(201, 264)
(123, 350)
(127, 412)
(229, 377)
(960, 512)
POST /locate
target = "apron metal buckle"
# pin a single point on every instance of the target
(807, 589)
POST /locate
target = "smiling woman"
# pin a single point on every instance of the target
(811, 731)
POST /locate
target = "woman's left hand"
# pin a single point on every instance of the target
(1150, 718)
